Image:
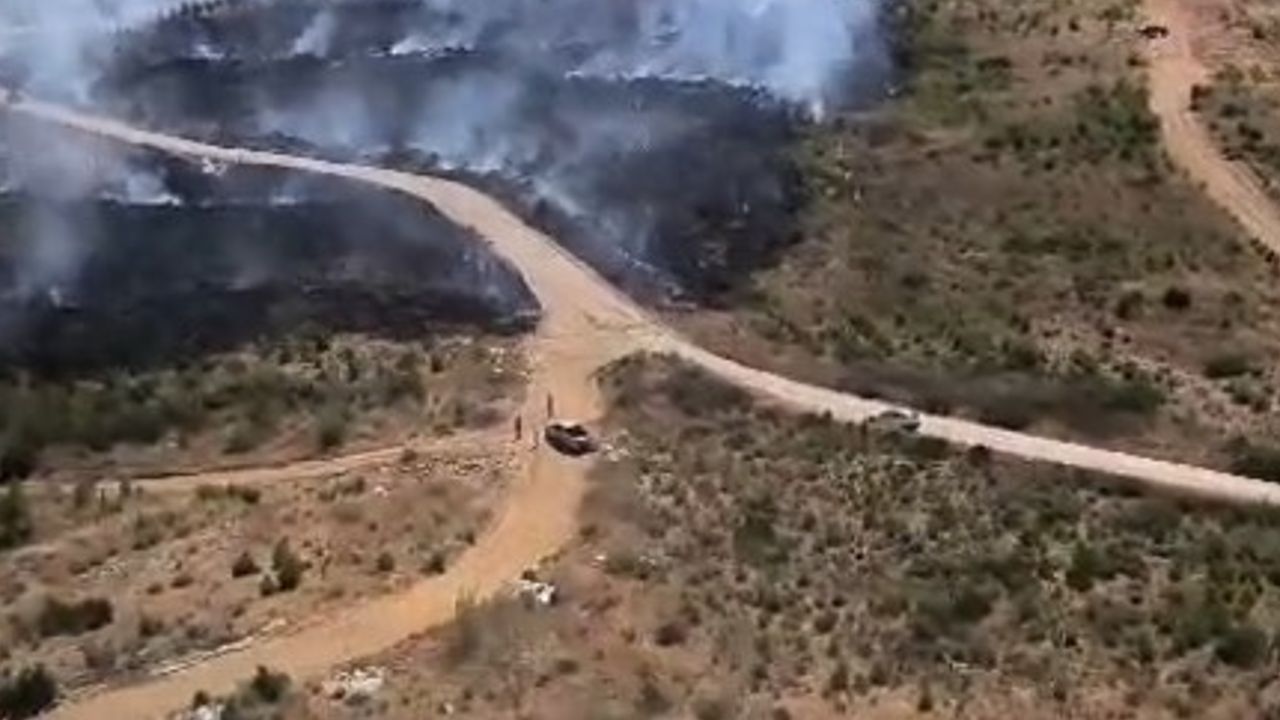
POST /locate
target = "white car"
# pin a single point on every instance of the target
(896, 421)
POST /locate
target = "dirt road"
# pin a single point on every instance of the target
(318, 468)
(586, 324)
(1173, 70)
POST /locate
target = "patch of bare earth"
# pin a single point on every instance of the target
(124, 580)
(368, 465)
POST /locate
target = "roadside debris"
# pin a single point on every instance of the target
(355, 685)
(208, 711)
(209, 166)
(534, 591)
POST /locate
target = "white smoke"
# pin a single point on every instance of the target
(47, 266)
(318, 36)
(142, 188)
(58, 45)
(50, 247)
(796, 49)
(491, 116)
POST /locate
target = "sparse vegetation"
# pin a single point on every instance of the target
(287, 567)
(74, 618)
(1005, 240)
(28, 694)
(386, 562)
(248, 399)
(1242, 115)
(262, 697)
(803, 553)
(1255, 460)
(15, 517)
(244, 566)
(120, 577)
(268, 687)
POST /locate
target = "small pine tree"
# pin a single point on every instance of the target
(288, 567)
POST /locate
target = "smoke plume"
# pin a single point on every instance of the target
(652, 135)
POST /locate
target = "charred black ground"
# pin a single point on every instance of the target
(660, 181)
(155, 260)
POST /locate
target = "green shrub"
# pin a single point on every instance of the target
(244, 566)
(1009, 411)
(1243, 646)
(386, 562)
(288, 567)
(245, 436)
(1227, 365)
(1138, 396)
(696, 393)
(30, 693)
(1256, 461)
(331, 427)
(76, 618)
(1176, 298)
(268, 586)
(19, 457)
(670, 634)
(1087, 565)
(15, 517)
(268, 686)
(246, 495)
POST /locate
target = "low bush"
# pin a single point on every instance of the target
(287, 566)
(28, 694)
(1227, 365)
(75, 618)
(15, 517)
(244, 566)
(1255, 460)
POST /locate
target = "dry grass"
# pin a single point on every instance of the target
(190, 571)
(739, 562)
(809, 559)
(267, 403)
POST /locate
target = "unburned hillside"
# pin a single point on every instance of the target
(736, 561)
(1006, 240)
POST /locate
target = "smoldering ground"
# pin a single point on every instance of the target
(652, 136)
(111, 257)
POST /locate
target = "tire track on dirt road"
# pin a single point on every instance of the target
(586, 323)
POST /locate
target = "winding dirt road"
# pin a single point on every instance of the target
(586, 324)
(1173, 70)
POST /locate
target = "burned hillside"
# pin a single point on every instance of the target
(661, 156)
(136, 259)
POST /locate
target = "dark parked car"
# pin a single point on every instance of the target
(570, 439)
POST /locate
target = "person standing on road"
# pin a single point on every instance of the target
(519, 427)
